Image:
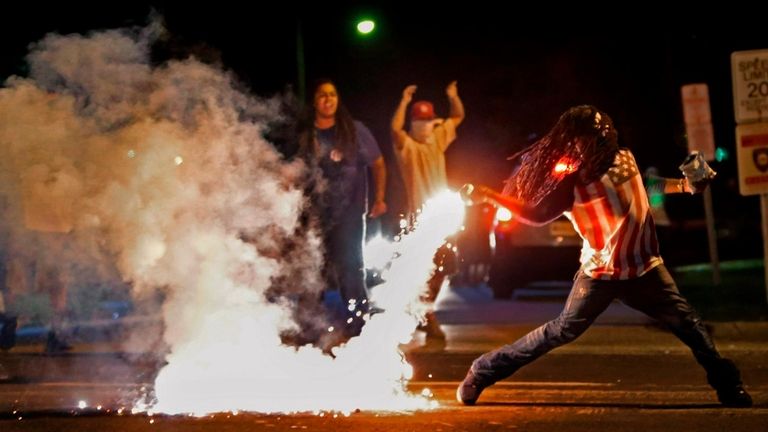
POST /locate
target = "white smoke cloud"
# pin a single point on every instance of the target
(157, 171)
(158, 175)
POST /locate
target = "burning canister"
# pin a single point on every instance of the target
(697, 171)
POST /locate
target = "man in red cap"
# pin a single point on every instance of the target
(421, 157)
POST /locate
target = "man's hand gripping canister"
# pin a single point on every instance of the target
(697, 171)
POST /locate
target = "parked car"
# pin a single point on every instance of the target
(475, 246)
(525, 254)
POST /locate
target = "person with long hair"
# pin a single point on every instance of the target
(338, 151)
(579, 170)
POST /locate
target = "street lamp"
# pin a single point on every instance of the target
(365, 26)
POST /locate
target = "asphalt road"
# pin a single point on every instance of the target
(618, 377)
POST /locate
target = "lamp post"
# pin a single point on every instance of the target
(301, 79)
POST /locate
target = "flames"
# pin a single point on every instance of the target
(235, 362)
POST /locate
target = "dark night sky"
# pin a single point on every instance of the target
(517, 71)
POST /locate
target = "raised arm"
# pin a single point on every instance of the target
(398, 119)
(457, 107)
(446, 131)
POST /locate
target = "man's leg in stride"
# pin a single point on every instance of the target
(587, 300)
(656, 295)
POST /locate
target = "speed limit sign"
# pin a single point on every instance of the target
(750, 85)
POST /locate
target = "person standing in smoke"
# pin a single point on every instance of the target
(578, 169)
(7, 320)
(339, 151)
(37, 274)
(421, 157)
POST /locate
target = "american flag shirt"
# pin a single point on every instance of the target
(612, 216)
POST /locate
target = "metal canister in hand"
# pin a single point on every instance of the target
(697, 171)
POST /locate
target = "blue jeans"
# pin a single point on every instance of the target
(654, 294)
(344, 256)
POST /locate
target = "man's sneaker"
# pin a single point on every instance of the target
(469, 389)
(734, 397)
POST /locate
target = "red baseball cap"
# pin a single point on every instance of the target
(422, 110)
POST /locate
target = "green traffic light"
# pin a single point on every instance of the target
(366, 26)
(721, 154)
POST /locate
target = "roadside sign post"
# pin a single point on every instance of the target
(749, 70)
(698, 127)
(752, 159)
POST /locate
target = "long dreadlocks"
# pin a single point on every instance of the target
(583, 141)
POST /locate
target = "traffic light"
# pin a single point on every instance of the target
(721, 154)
